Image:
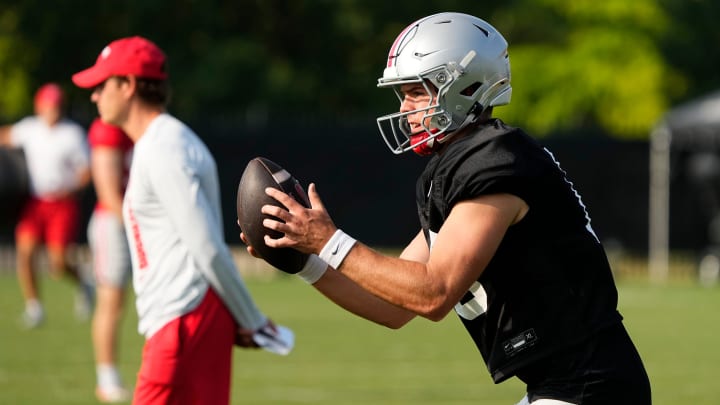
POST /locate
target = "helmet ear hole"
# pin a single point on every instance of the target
(470, 90)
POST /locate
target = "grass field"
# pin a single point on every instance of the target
(341, 359)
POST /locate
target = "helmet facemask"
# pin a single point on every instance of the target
(435, 121)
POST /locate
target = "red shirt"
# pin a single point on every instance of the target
(106, 135)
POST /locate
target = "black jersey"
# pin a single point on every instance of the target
(549, 284)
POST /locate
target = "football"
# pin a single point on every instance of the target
(259, 174)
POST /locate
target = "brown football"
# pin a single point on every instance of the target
(259, 174)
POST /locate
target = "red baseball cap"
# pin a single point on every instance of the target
(49, 94)
(126, 56)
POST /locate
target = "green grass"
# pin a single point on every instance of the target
(341, 359)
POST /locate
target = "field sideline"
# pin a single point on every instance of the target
(341, 359)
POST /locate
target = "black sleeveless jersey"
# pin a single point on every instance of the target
(549, 284)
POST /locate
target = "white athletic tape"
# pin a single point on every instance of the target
(337, 248)
(314, 268)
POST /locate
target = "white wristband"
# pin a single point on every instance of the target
(314, 268)
(337, 248)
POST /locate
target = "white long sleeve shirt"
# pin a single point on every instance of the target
(174, 226)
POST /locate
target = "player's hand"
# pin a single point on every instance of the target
(305, 229)
(244, 337)
(249, 248)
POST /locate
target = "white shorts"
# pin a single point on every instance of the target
(110, 251)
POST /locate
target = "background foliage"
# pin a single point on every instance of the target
(612, 65)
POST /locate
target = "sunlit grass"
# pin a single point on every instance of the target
(341, 359)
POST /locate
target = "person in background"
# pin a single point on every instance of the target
(110, 157)
(58, 165)
(505, 240)
(192, 303)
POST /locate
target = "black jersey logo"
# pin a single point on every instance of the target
(520, 342)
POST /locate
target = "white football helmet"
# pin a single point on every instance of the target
(464, 58)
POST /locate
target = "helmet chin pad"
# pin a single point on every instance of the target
(426, 143)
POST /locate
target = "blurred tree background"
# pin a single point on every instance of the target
(296, 81)
(614, 65)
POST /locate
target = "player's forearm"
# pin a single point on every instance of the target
(216, 263)
(225, 280)
(199, 229)
(353, 298)
(404, 283)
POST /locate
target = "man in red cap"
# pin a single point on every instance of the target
(192, 303)
(58, 165)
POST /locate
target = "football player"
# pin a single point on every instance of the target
(110, 157)
(58, 165)
(505, 240)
